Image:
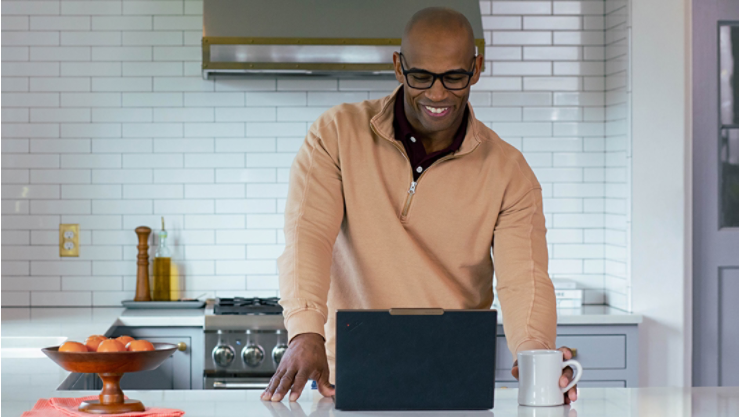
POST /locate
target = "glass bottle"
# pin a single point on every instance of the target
(162, 268)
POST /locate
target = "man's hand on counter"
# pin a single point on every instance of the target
(304, 359)
(572, 393)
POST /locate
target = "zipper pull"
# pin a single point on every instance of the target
(412, 190)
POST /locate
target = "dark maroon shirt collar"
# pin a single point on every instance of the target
(414, 148)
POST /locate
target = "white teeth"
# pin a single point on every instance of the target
(436, 110)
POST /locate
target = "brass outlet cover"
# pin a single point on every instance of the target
(69, 240)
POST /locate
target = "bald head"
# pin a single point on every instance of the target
(433, 23)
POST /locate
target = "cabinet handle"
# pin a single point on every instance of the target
(181, 346)
(573, 352)
(247, 385)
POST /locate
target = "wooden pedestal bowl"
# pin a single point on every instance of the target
(111, 366)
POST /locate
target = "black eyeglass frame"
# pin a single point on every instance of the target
(436, 76)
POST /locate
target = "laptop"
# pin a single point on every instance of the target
(415, 359)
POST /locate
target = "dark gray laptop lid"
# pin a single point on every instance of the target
(415, 359)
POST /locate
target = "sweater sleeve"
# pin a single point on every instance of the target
(524, 288)
(313, 215)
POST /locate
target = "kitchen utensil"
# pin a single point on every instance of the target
(163, 304)
(110, 367)
(539, 376)
(142, 265)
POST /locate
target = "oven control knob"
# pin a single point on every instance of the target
(278, 352)
(223, 355)
(253, 355)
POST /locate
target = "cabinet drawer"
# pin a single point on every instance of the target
(602, 384)
(598, 351)
(594, 352)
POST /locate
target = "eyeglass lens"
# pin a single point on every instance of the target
(449, 81)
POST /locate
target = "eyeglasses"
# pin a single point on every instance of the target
(423, 80)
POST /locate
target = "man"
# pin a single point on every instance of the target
(397, 202)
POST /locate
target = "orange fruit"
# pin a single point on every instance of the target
(72, 347)
(139, 346)
(111, 345)
(92, 342)
(124, 339)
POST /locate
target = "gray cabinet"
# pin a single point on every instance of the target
(608, 354)
(182, 370)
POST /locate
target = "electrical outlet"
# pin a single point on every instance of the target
(69, 240)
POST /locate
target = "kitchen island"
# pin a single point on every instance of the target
(28, 375)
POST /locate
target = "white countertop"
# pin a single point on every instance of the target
(26, 379)
(80, 322)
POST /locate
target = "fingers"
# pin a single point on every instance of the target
(285, 383)
(567, 353)
(566, 377)
(297, 387)
(272, 386)
(515, 372)
(325, 388)
(571, 395)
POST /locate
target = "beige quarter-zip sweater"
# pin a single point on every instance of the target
(361, 234)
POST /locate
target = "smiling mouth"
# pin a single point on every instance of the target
(435, 111)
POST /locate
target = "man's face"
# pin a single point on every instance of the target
(437, 54)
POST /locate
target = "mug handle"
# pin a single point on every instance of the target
(576, 377)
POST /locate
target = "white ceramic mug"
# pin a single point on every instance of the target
(539, 377)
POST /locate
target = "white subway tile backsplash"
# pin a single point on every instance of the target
(109, 124)
(122, 207)
(552, 22)
(139, 69)
(183, 176)
(16, 207)
(214, 160)
(254, 114)
(40, 130)
(149, 191)
(146, 38)
(215, 191)
(14, 84)
(183, 145)
(159, 160)
(15, 237)
(108, 23)
(552, 83)
(121, 176)
(215, 222)
(266, 175)
(60, 176)
(11, 114)
(178, 22)
(13, 23)
(184, 207)
(30, 161)
(250, 205)
(15, 176)
(183, 84)
(501, 22)
(30, 191)
(246, 145)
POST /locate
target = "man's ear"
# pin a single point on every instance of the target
(397, 67)
(478, 69)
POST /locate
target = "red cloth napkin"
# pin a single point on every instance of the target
(67, 407)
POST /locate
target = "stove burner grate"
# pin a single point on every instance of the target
(241, 306)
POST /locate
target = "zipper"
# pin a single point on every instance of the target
(412, 188)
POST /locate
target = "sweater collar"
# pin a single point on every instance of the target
(382, 122)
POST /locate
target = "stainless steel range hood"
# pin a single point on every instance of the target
(335, 37)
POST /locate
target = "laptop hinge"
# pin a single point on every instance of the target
(416, 311)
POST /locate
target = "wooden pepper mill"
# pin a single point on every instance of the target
(142, 265)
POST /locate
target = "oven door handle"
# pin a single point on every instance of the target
(243, 385)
